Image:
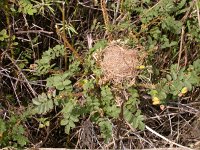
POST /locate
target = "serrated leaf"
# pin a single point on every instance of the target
(21, 140)
(106, 129)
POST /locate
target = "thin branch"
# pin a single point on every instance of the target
(10, 77)
(181, 46)
(188, 12)
(14, 89)
(116, 12)
(164, 138)
(198, 15)
(67, 44)
(33, 31)
(23, 76)
(84, 5)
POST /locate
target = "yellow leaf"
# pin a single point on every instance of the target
(156, 101)
(184, 90)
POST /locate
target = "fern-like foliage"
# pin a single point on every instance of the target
(108, 102)
(43, 64)
(131, 113)
(106, 128)
(70, 115)
(43, 104)
(12, 133)
(60, 82)
(26, 7)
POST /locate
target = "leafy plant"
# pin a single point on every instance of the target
(70, 115)
(43, 64)
(74, 91)
(3, 35)
(43, 5)
(106, 128)
(100, 101)
(12, 133)
(133, 114)
(176, 83)
(43, 103)
(26, 7)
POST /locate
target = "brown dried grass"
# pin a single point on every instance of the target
(119, 63)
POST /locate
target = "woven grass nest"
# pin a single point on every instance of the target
(119, 63)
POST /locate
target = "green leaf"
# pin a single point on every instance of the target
(66, 82)
(162, 95)
(60, 87)
(188, 85)
(43, 104)
(71, 124)
(35, 101)
(74, 118)
(153, 93)
(174, 75)
(57, 79)
(64, 122)
(2, 126)
(67, 129)
(169, 78)
(106, 129)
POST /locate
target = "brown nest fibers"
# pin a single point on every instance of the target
(119, 63)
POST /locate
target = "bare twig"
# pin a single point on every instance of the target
(130, 126)
(23, 76)
(116, 12)
(181, 46)
(84, 5)
(33, 31)
(14, 89)
(198, 16)
(164, 138)
(8, 76)
(89, 40)
(188, 12)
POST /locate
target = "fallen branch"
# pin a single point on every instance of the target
(164, 138)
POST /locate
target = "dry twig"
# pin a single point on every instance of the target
(164, 138)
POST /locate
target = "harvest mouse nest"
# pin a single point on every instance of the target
(119, 63)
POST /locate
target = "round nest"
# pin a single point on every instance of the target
(119, 63)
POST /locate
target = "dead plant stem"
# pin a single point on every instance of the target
(164, 138)
(23, 76)
(198, 15)
(181, 46)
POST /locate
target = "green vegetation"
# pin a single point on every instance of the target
(53, 81)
